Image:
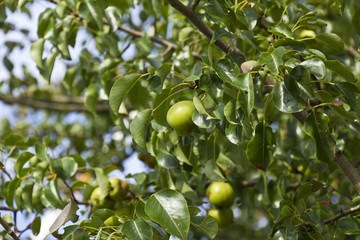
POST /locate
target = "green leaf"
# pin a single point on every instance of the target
(200, 116)
(26, 196)
(315, 66)
(218, 33)
(314, 218)
(303, 191)
(139, 127)
(196, 73)
(51, 195)
(137, 230)
(20, 162)
(12, 187)
(218, 11)
(169, 209)
(302, 77)
(247, 95)
(67, 214)
(349, 225)
(91, 96)
(113, 17)
(36, 226)
(91, 12)
(213, 86)
(340, 69)
(46, 71)
(227, 70)
(120, 89)
(331, 40)
(258, 151)
(281, 30)
(103, 182)
(316, 127)
(286, 96)
(161, 106)
(273, 60)
(36, 52)
(248, 18)
(208, 226)
(351, 95)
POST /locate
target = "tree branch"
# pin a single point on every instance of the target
(348, 169)
(8, 229)
(59, 103)
(342, 214)
(199, 24)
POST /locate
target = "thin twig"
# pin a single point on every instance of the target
(56, 104)
(194, 5)
(199, 24)
(10, 232)
(342, 214)
(348, 169)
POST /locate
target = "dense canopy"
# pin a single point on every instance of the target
(272, 93)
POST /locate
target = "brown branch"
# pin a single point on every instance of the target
(342, 214)
(199, 24)
(10, 232)
(194, 5)
(348, 169)
(60, 104)
(353, 51)
(8, 209)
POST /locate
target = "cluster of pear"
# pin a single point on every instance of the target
(118, 191)
(221, 195)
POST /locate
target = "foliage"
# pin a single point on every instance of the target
(275, 85)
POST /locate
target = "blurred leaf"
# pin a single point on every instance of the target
(36, 226)
(314, 219)
(340, 69)
(91, 12)
(169, 209)
(20, 162)
(218, 11)
(103, 182)
(51, 195)
(36, 52)
(349, 225)
(332, 40)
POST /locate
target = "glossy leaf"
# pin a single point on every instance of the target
(315, 66)
(286, 97)
(169, 209)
